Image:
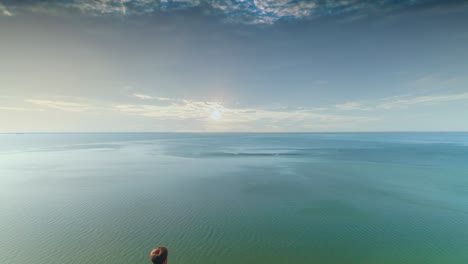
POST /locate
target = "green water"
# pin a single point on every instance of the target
(234, 198)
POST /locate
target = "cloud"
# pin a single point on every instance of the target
(182, 109)
(62, 105)
(123, 7)
(433, 81)
(13, 108)
(241, 118)
(244, 11)
(186, 114)
(143, 96)
(431, 99)
(4, 11)
(264, 11)
(351, 106)
(396, 102)
(148, 97)
(179, 109)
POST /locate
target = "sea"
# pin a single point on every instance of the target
(222, 198)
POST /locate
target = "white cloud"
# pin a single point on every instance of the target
(149, 97)
(62, 105)
(142, 96)
(196, 114)
(430, 99)
(12, 108)
(239, 11)
(256, 12)
(241, 119)
(395, 102)
(180, 109)
(263, 11)
(102, 7)
(280, 117)
(4, 11)
(284, 8)
(351, 106)
(434, 81)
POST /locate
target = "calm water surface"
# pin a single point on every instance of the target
(234, 198)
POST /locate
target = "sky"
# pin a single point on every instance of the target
(233, 65)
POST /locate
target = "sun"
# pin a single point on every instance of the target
(216, 115)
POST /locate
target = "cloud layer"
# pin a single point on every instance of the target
(178, 114)
(397, 102)
(4, 11)
(236, 118)
(237, 11)
(59, 104)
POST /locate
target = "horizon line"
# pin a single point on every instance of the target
(233, 132)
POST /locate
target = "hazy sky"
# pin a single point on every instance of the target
(233, 65)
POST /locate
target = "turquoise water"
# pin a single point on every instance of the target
(234, 198)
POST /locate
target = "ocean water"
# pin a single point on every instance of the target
(367, 198)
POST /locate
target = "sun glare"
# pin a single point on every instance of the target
(215, 115)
